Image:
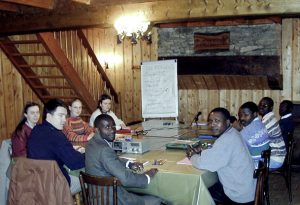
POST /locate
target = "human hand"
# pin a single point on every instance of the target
(151, 172)
(237, 125)
(193, 150)
(124, 127)
(136, 166)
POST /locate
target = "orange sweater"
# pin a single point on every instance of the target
(77, 130)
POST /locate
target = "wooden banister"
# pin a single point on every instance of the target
(93, 56)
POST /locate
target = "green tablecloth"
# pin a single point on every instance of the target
(181, 184)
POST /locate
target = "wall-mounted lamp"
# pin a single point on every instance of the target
(134, 28)
(109, 60)
(106, 65)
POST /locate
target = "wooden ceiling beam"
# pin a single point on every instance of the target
(88, 2)
(156, 12)
(45, 4)
(8, 7)
(224, 22)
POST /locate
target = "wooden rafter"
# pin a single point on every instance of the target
(155, 11)
(88, 2)
(8, 7)
(223, 22)
(45, 4)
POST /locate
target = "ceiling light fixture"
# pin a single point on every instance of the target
(133, 27)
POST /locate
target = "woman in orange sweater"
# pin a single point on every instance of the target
(75, 128)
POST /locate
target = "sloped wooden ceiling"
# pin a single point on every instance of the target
(102, 13)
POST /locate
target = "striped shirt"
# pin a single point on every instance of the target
(76, 130)
(277, 144)
(257, 139)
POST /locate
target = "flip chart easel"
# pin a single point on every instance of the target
(159, 89)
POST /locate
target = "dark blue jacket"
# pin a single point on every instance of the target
(48, 143)
(286, 125)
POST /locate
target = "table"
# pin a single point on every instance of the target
(181, 184)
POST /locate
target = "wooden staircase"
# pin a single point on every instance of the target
(49, 72)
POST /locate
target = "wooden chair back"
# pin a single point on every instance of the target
(266, 154)
(284, 170)
(260, 173)
(98, 190)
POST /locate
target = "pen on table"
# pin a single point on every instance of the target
(145, 163)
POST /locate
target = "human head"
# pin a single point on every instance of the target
(106, 127)
(247, 113)
(265, 106)
(75, 108)
(55, 112)
(285, 107)
(232, 119)
(104, 103)
(31, 114)
(235, 123)
(218, 121)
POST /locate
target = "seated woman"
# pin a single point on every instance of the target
(104, 105)
(75, 128)
(253, 131)
(30, 116)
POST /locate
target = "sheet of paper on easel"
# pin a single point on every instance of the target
(159, 89)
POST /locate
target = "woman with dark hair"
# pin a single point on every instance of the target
(104, 106)
(30, 117)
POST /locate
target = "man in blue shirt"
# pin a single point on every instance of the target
(230, 158)
(47, 142)
(254, 132)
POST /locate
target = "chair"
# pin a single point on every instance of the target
(38, 182)
(96, 190)
(260, 174)
(266, 154)
(5, 156)
(284, 170)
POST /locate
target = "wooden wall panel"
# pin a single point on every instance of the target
(14, 93)
(286, 60)
(296, 61)
(126, 80)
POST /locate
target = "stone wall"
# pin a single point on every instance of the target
(251, 40)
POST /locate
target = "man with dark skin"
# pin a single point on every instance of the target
(277, 144)
(230, 158)
(253, 131)
(101, 160)
(286, 121)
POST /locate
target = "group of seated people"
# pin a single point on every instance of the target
(51, 140)
(233, 156)
(239, 145)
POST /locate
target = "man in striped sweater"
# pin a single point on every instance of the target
(254, 132)
(277, 144)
